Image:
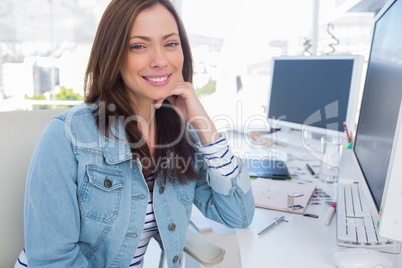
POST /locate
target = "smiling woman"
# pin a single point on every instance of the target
(155, 59)
(129, 163)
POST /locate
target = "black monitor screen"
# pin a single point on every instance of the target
(307, 86)
(381, 101)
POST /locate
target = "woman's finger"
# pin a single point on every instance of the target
(158, 103)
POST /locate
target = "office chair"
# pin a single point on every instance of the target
(199, 248)
(18, 137)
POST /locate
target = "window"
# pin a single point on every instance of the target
(45, 45)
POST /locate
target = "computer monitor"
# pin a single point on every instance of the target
(384, 135)
(381, 100)
(380, 107)
(390, 211)
(314, 93)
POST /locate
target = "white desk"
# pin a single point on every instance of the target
(300, 242)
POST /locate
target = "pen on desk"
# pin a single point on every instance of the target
(330, 212)
(273, 224)
(347, 132)
(310, 169)
(311, 215)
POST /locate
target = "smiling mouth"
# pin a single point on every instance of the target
(156, 79)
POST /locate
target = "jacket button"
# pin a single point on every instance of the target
(172, 226)
(161, 190)
(175, 259)
(107, 182)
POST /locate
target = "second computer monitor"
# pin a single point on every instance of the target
(314, 93)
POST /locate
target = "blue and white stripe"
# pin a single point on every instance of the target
(22, 260)
(220, 157)
(150, 228)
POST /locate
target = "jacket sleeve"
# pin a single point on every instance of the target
(51, 214)
(224, 195)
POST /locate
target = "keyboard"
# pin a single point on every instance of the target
(355, 224)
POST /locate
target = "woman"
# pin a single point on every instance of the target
(127, 165)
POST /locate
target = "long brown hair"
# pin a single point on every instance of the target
(104, 85)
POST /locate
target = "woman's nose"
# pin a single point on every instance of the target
(159, 59)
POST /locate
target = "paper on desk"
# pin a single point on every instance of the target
(272, 194)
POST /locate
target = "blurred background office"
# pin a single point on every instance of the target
(45, 45)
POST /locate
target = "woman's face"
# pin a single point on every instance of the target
(155, 58)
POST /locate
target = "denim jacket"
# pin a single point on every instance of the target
(86, 198)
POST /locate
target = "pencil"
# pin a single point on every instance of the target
(347, 132)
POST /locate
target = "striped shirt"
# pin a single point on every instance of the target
(150, 227)
(219, 157)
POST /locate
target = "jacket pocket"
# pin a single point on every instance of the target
(100, 193)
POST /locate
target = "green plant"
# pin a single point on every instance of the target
(65, 94)
(208, 89)
(38, 97)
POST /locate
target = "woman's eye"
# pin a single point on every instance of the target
(172, 44)
(137, 46)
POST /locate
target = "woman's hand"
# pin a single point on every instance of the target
(187, 104)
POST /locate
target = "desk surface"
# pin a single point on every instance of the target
(299, 242)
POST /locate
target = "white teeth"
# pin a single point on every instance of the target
(159, 79)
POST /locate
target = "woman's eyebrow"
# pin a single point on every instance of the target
(146, 38)
(169, 35)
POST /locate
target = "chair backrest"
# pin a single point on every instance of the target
(19, 133)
